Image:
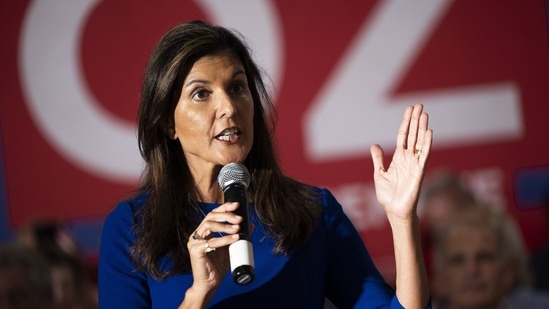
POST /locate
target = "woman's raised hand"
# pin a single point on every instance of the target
(397, 186)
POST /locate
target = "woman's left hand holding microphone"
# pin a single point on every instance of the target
(208, 248)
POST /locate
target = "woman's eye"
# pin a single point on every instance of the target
(237, 88)
(455, 260)
(486, 256)
(200, 95)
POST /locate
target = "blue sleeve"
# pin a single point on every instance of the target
(120, 285)
(353, 279)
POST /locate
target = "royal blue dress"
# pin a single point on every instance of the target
(333, 264)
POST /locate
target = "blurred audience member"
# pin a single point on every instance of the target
(444, 192)
(480, 262)
(72, 288)
(25, 281)
(48, 236)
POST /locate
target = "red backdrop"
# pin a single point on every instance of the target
(342, 75)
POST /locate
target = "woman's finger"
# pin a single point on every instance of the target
(421, 141)
(208, 228)
(402, 134)
(413, 128)
(203, 247)
(226, 207)
(377, 158)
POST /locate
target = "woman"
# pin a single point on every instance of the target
(203, 106)
(480, 261)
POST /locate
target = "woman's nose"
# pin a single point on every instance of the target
(225, 105)
(472, 267)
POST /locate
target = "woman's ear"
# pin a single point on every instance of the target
(170, 132)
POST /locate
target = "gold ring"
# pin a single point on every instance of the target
(208, 248)
(417, 151)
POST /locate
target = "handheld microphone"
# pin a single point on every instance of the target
(234, 179)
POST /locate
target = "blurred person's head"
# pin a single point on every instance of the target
(477, 255)
(48, 236)
(70, 281)
(25, 280)
(444, 193)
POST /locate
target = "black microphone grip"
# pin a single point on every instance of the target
(238, 193)
(241, 252)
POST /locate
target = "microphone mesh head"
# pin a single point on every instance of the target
(233, 173)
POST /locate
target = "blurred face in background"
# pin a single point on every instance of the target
(472, 271)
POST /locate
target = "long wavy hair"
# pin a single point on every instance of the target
(288, 208)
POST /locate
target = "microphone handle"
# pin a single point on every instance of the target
(238, 193)
(241, 252)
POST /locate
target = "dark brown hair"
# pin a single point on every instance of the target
(169, 216)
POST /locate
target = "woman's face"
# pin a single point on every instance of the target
(475, 274)
(214, 115)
